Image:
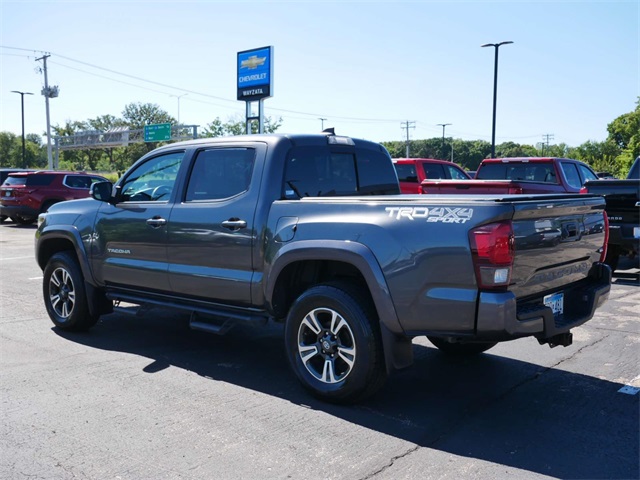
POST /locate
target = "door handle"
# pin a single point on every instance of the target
(234, 224)
(156, 222)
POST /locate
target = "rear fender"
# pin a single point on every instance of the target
(397, 346)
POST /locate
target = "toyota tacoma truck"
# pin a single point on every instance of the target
(312, 231)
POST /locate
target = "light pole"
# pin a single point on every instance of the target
(179, 97)
(24, 155)
(443, 125)
(495, 93)
(321, 123)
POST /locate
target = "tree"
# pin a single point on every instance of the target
(237, 126)
(137, 115)
(624, 133)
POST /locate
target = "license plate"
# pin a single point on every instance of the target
(555, 302)
(7, 193)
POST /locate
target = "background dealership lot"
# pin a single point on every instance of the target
(146, 397)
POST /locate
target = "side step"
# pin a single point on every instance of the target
(211, 326)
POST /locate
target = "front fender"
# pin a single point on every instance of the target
(51, 240)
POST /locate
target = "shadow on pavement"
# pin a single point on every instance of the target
(493, 408)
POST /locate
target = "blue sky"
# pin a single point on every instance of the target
(364, 66)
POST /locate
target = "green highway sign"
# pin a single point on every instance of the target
(158, 132)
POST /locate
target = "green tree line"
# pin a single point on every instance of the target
(615, 154)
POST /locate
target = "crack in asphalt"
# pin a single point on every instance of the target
(391, 462)
(481, 408)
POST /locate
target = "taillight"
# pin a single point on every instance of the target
(603, 253)
(516, 190)
(584, 190)
(492, 249)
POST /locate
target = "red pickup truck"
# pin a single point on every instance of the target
(519, 175)
(412, 171)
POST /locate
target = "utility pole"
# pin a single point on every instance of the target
(546, 137)
(179, 97)
(407, 125)
(443, 125)
(322, 120)
(48, 93)
(24, 154)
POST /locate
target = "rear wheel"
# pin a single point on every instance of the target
(461, 349)
(64, 294)
(3, 218)
(333, 343)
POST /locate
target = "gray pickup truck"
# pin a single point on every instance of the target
(311, 230)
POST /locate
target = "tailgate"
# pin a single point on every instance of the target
(557, 241)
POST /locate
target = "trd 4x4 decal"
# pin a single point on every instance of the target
(436, 214)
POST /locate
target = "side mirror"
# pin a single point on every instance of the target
(101, 191)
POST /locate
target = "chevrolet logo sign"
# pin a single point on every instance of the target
(253, 62)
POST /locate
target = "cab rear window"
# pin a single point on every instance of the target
(325, 172)
(519, 171)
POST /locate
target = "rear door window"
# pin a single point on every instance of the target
(39, 180)
(406, 173)
(433, 171)
(571, 174)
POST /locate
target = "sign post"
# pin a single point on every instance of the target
(255, 82)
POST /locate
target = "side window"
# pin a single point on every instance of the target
(220, 173)
(152, 181)
(571, 174)
(80, 181)
(406, 173)
(434, 171)
(587, 174)
(456, 173)
(39, 180)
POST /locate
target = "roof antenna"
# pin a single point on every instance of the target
(330, 130)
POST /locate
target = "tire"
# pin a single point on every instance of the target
(461, 349)
(333, 343)
(3, 218)
(64, 294)
(20, 220)
(613, 256)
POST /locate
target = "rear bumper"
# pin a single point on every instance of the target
(502, 317)
(17, 210)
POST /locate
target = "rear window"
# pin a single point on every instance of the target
(17, 180)
(519, 171)
(323, 172)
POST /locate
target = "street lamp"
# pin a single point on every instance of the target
(443, 125)
(495, 93)
(179, 97)
(24, 156)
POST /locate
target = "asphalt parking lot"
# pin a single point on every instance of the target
(147, 398)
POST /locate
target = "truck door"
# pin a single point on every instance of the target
(130, 237)
(211, 233)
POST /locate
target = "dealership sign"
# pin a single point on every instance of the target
(255, 74)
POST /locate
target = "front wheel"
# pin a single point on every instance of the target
(64, 294)
(461, 349)
(333, 343)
